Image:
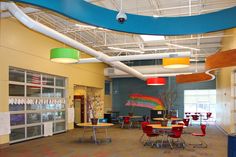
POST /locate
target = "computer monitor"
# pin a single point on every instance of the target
(157, 114)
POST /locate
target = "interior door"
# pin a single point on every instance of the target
(79, 108)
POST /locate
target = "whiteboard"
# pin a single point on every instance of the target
(5, 127)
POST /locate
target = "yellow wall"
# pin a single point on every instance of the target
(20, 47)
(89, 91)
(225, 102)
(108, 100)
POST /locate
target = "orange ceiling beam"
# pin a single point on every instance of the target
(191, 78)
(216, 61)
(221, 60)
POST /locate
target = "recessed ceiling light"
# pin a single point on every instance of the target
(152, 37)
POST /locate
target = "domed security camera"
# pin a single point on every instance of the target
(121, 17)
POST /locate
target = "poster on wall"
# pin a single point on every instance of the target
(5, 123)
(71, 115)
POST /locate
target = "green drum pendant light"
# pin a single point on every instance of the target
(64, 55)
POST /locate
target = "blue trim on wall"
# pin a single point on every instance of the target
(85, 12)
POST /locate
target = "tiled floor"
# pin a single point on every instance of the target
(125, 143)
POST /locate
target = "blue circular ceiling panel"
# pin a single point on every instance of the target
(85, 12)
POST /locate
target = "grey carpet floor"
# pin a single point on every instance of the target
(125, 143)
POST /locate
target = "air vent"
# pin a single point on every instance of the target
(173, 55)
(110, 71)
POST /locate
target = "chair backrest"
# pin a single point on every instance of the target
(102, 120)
(126, 119)
(186, 121)
(208, 115)
(148, 130)
(177, 131)
(195, 117)
(203, 128)
(144, 124)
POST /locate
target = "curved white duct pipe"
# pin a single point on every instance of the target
(155, 71)
(138, 57)
(34, 25)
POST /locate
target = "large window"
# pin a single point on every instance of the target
(200, 101)
(35, 98)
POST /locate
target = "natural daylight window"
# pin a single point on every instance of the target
(35, 98)
(200, 101)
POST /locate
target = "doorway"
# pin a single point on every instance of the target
(79, 109)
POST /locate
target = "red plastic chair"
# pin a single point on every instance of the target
(208, 116)
(195, 117)
(186, 122)
(149, 133)
(187, 114)
(143, 125)
(126, 121)
(176, 133)
(202, 134)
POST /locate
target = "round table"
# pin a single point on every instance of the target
(159, 126)
(132, 117)
(94, 127)
(98, 125)
(172, 119)
(165, 131)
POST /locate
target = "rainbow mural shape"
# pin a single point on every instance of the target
(140, 100)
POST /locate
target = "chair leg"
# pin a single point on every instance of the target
(170, 143)
(148, 141)
(183, 142)
(130, 124)
(162, 141)
(140, 139)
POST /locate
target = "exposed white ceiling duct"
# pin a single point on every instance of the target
(155, 71)
(25, 10)
(34, 25)
(138, 57)
(120, 69)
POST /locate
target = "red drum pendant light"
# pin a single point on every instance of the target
(156, 81)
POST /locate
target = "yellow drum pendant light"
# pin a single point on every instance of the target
(175, 62)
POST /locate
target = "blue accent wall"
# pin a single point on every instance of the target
(123, 87)
(83, 11)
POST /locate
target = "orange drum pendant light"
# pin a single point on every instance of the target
(156, 81)
(175, 62)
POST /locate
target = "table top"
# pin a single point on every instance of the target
(98, 125)
(158, 126)
(132, 116)
(173, 119)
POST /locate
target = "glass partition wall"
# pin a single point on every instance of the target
(35, 98)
